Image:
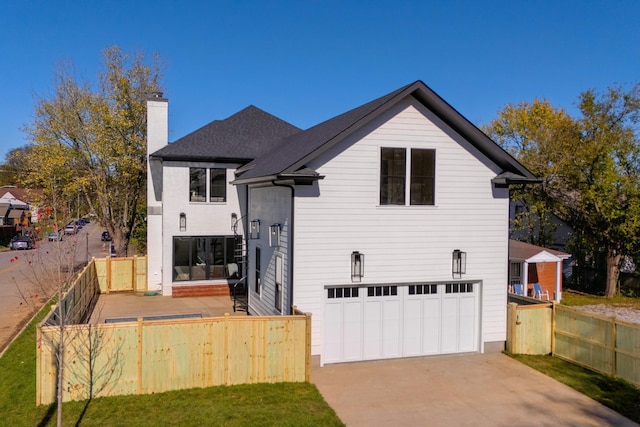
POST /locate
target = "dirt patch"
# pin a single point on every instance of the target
(627, 314)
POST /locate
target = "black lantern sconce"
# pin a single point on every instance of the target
(357, 266)
(254, 229)
(274, 235)
(183, 221)
(234, 220)
(458, 263)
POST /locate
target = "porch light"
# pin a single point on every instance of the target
(357, 266)
(234, 220)
(254, 229)
(458, 262)
(183, 221)
(274, 235)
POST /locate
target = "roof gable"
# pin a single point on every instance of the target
(300, 148)
(241, 137)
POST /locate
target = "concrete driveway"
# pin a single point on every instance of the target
(461, 390)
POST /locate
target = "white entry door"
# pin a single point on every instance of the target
(388, 321)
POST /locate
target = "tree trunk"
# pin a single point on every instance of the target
(613, 272)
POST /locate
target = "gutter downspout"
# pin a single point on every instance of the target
(290, 288)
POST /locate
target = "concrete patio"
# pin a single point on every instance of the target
(133, 305)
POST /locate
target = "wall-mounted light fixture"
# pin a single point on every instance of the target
(357, 266)
(274, 235)
(234, 220)
(458, 263)
(183, 221)
(254, 229)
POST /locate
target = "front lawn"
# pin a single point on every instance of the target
(282, 404)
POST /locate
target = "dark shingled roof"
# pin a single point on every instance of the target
(241, 137)
(290, 157)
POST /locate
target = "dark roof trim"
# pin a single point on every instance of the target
(282, 178)
(506, 179)
(202, 159)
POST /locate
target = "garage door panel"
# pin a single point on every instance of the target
(467, 329)
(431, 326)
(412, 334)
(391, 329)
(352, 348)
(372, 330)
(332, 351)
(449, 325)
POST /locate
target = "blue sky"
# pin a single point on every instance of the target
(308, 60)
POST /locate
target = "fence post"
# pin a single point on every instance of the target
(614, 347)
(307, 337)
(226, 349)
(140, 353)
(553, 327)
(512, 316)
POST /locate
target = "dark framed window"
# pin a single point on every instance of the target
(218, 185)
(204, 258)
(423, 174)
(197, 185)
(257, 271)
(394, 172)
(278, 290)
(392, 176)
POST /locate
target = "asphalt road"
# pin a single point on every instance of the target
(28, 278)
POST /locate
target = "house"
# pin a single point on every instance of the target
(15, 206)
(529, 264)
(388, 223)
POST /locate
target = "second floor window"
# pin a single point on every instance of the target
(396, 168)
(207, 185)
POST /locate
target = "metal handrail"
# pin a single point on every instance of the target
(235, 285)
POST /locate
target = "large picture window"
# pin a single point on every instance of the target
(395, 167)
(204, 258)
(215, 191)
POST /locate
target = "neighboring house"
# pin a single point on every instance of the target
(529, 264)
(15, 206)
(388, 223)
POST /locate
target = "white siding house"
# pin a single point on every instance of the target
(398, 189)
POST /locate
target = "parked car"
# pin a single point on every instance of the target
(21, 242)
(54, 236)
(106, 237)
(70, 229)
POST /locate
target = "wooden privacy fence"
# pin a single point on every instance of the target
(78, 300)
(156, 356)
(122, 274)
(603, 344)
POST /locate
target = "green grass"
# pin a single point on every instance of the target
(573, 298)
(617, 394)
(282, 404)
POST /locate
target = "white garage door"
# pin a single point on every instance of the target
(379, 322)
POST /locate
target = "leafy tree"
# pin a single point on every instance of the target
(93, 142)
(13, 164)
(531, 132)
(589, 166)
